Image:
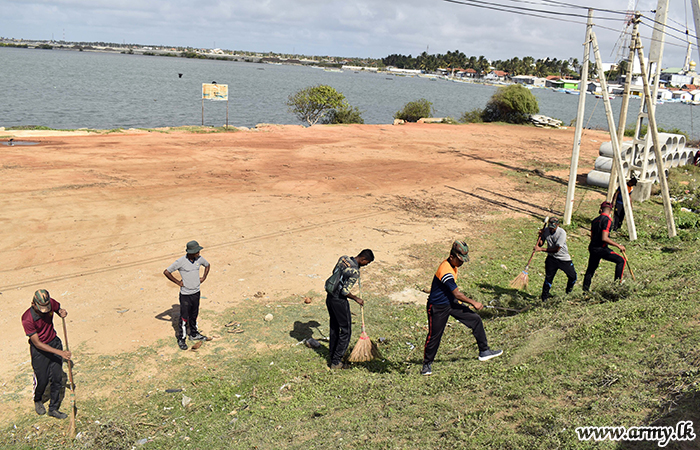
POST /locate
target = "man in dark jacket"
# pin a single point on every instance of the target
(345, 274)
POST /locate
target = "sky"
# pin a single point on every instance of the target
(349, 28)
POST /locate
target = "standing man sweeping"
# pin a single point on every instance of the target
(188, 266)
(619, 214)
(345, 274)
(598, 248)
(558, 257)
(46, 351)
(447, 300)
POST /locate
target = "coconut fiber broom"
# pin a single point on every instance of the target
(520, 282)
(365, 349)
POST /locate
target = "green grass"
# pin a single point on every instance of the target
(626, 355)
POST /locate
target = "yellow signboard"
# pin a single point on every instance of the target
(213, 91)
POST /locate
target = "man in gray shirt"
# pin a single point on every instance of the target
(558, 257)
(188, 266)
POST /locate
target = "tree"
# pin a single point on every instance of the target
(316, 104)
(512, 104)
(412, 111)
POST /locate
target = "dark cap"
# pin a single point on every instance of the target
(42, 301)
(606, 205)
(461, 250)
(553, 222)
(193, 247)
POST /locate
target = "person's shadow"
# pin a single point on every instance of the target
(172, 315)
(303, 331)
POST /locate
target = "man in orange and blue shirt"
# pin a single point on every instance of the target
(447, 300)
(598, 248)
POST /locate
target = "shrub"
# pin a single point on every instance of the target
(346, 114)
(473, 116)
(412, 111)
(512, 104)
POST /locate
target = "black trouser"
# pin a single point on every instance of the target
(189, 310)
(340, 327)
(551, 265)
(618, 216)
(594, 257)
(48, 367)
(437, 319)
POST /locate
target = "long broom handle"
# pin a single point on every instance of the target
(628, 266)
(70, 363)
(546, 219)
(362, 312)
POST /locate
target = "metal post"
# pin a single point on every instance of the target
(571, 189)
(668, 211)
(617, 159)
(202, 111)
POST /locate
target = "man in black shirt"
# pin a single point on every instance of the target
(598, 248)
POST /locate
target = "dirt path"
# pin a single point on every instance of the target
(95, 219)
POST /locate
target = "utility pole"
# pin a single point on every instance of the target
(568, 208)
(617, 158)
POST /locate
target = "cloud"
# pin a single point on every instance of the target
(331, 27)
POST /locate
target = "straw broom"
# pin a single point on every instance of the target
(520, 282)
(365, 349)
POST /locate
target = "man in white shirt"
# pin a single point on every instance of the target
(558, 257)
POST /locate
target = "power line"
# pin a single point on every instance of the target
(522, 10)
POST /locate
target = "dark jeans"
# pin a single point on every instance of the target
(189, 310)
(48, 368)
(618, 217)
(594, 257)
(551, 266)
(437, 319)
(340, 327)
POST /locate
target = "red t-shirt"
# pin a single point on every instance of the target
(40, 324)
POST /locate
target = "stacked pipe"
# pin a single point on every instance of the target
(673, 152)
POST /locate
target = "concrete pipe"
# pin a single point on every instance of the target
(606, 148)
(681, 142)
(598, 178)
(676, 159)
(683, 158)
(668, 139)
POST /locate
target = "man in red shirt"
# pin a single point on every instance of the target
(598, 248)
(46, 350)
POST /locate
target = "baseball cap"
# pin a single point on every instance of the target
(553, 222)
(461, 250)
(42, 301)
(606, 205)
(193, 247)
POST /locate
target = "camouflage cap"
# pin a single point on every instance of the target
(461, 250)
(42, 301)
(553, 222)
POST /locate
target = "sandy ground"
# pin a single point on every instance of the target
(96, 218)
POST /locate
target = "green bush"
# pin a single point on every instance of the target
(412, 111)
(346, 114)
(511, 104)
(629, 131)
(473, 116)
(318, 104)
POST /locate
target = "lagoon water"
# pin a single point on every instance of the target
(68, 89)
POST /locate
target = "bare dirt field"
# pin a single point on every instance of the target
(96, 218)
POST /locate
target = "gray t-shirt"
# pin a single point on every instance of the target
(189, 271)
(557, 239)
